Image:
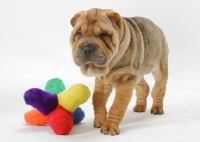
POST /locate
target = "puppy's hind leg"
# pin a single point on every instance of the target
(158, 92)
(142, 91)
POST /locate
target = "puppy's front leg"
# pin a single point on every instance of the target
(124, 85)
(100, 97)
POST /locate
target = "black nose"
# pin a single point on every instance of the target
(88, 48)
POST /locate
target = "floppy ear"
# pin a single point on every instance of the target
(114, 17)
(75, 17)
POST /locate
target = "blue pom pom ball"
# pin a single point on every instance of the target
(78, 115)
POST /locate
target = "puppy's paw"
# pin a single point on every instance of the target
(110, 129)
(139, 108)
(157, 110)
(98, 121)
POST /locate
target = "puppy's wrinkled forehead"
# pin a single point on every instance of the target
(93, 22)
(93, 15)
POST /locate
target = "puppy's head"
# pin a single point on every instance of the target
(95, 40)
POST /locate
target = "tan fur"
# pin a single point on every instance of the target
(125, 49)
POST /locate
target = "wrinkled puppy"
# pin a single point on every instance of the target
(119, 51)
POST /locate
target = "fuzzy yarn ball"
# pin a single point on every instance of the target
(54, 86)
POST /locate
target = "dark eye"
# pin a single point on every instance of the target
(79, 32)
(104, 34)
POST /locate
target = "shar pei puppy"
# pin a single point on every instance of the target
(118, 52)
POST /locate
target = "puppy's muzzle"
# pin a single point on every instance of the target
(89, 52)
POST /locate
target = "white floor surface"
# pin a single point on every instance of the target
(180, 123)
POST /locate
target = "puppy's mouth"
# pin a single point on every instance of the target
(98, 61)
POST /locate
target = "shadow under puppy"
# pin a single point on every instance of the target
(118, 52)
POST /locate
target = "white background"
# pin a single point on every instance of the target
(34, 47)
(34, 35)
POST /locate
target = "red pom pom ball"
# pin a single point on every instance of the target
(60, 120)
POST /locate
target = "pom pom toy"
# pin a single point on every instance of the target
(60, 110)
(53, 86)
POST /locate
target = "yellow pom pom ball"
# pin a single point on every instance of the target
(71, 98)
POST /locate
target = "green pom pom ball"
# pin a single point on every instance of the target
(55, 86)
